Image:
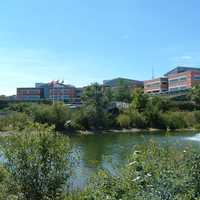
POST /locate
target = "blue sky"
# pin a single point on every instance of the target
(84, 41)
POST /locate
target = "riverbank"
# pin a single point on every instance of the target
(134, 130)
(6, 133)
(112, 131)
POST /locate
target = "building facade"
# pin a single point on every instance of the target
(53, 91)
(30, 94)
(61, 92)
(131, 84)
(157, 85)
(184, 80)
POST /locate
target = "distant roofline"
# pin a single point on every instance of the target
(120, 78)
(32, 88)
(182, 67)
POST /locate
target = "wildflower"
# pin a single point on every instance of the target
(149, 175)
(136, 179)
(132, 163)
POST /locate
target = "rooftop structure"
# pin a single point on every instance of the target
(181, 69)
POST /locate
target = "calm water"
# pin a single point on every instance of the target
(110, 151)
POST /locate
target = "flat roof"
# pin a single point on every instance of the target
(180, 69)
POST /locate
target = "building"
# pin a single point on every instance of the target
(61, 92)
(30, 94)
(54, 91)
(114, 83)
(178, 79)
(183, 80)
(157, 85)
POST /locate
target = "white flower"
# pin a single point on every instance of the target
(149, 175)
(132, 163)
(136, 179)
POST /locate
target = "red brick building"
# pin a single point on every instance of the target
(29, 94)
(62, 92)
(183, 80)
(157, 85)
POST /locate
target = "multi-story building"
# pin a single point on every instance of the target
(30, 94)
(114, 83)
(54, 91)
(183, 80)
(157, 85)
(62, 92)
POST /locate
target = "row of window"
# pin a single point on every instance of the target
(153, 85)
(178, 80)
(177, 88)
(196, 78)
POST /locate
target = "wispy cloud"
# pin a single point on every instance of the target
(182, 58)
(185, 57)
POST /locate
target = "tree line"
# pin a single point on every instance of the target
(144, 111)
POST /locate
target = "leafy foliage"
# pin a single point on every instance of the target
(37, 160)
(152, 173)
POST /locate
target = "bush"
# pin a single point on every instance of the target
(37, 160)
(4, 176)
(175, 120)
(124, 121)
(151, 173)
(137, 120)
(14, 121)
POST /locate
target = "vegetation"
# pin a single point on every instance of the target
(96, 113)
(37, 163)
(38, 167)
(37, 160)
(151, 173)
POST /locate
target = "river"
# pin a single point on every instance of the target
(111, 151)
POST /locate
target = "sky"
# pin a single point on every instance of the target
(87, 41)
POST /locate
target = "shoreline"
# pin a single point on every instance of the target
(111, 131)
(133, 130)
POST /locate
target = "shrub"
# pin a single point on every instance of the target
(151, 173)
(14, 121)
(175, 120)
(37, 160)
(124, 121)
(137, 120)
(3, 183)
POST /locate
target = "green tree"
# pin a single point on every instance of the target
(37, 160)
(124, 121)
(139, 100)
(194, 95)
(95, 105)
(122, 92)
